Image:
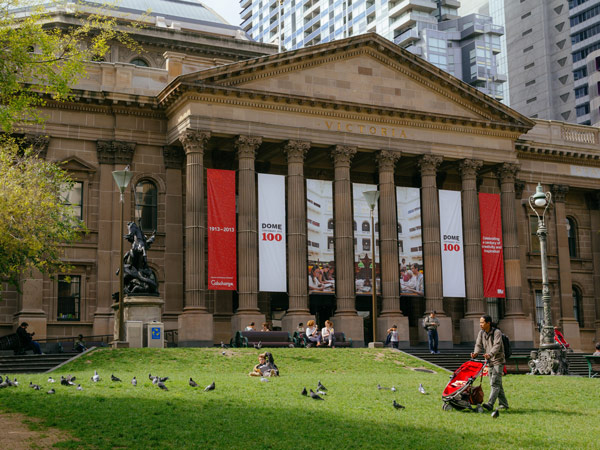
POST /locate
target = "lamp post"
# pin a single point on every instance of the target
(371, 197)
(550, 359)
(122, 178)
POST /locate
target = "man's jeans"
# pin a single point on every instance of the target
(433, 340)
(497, 391)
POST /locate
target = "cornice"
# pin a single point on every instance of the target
(111, 106)
(557, 154)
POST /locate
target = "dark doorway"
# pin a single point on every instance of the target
(323, 308)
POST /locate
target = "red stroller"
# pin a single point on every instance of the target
(460, 393)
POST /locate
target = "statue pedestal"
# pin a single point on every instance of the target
(140, 308)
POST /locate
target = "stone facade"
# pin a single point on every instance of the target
(354, 110)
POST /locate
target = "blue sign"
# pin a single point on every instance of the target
(155, 332)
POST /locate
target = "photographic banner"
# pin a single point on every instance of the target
(222, 269)
(410, 241)
(362, 241)
(272, 269)
(492, 254)
(319, 230)
(451, 241)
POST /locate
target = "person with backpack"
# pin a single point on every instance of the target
(490, 341)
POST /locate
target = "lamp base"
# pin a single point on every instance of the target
(549, 361)
(119, 344)
(375, 344)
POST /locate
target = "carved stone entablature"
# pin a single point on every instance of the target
(247, 145)
(519, 188)
(194, 141)
(429, 164)
(559, 192)
(296, 150)
(507, 172)
(115, 152)
(468, 168)
(39, 143)
(343, 154)
(387, 160)
(173, 157)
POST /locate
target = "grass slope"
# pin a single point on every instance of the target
(243, 412)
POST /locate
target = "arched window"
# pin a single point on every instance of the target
(354, 224)
(146, 209)
(572, 237)
(330, 224)
(577, 306)
(366, 226)
(139, 62)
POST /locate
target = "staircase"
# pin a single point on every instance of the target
(32, 363)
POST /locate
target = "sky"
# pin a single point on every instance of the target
(228, 9)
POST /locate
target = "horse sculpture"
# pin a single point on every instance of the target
(138, 278)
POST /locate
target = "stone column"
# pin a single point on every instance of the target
(514, 324)
(432, 252)
(298, 310)
(567, 322)
(112, 155)
(594, 206)
(346, 318)
(248, 310)
(469, 326)
(196, 323)
(388, 252)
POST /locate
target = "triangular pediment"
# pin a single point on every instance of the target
(365, 71)
(75, 164)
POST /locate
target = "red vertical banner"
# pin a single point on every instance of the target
(222, 265)
(492, 255)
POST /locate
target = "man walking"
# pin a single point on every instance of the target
(431, 324)
(489, 340)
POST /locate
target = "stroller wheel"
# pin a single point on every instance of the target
(446, 407)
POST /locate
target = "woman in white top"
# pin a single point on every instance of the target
(313, 281)
(312, 332)
(328, 333)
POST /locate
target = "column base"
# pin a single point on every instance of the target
(385, 322)
(119, 344)
(222, 327)
(352, 327)
(195, 328)
(519, 330)
(570, 329)
(290, 322)
(375, 345)
(444, 332)
(469, 329)
(239, 321)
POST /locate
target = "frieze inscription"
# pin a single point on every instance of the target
(373, 130)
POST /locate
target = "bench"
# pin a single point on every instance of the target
(12, 342)
(516, 358)
(593, 363)
(266, 338)
(340, 340)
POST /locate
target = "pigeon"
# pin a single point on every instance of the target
(161, 385)
(321, 393)
(30, 383)
(192, 383)
(223, 345)
(15, 383)
(51, 391)
(50, 380)
(422, 389)
(79, 388)
(150, 377)
(393, 389)
(70, 378)
(134, 381)
(304, 392)
(264, 380)
(496, 414)
(379, 387)
(63, 381)
(210, 387)
(315, 396)
(155, 380)
(36, 387)
(113, 378)
(4, 384)
(320, 387)
(258, 346)
(223, 353)
(163, 379)
(8, 382)
(96, 377)
(397, 405)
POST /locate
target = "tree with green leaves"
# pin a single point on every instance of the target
(41, 61)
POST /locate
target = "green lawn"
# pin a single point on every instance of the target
(243, 412)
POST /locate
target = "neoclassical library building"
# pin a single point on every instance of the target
(252, 166)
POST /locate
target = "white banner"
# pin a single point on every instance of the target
(451, 234)
(271, 233)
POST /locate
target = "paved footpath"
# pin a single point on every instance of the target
(16, 434)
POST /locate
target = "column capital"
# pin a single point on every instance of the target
(507, 172)
(246, 146)
(387, 159)
(343, 154)
(194, 141)
(173, 157)
(429, 164)
(296, 150)
(115, 152)
(468, 168)
(559, 192)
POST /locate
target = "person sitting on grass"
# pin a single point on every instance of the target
(312, 333)
(328, 334)
(266, 366)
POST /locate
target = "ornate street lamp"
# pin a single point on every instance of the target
(550, 358)
(371, 197)
(122, 178)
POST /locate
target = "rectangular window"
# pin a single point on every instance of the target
(529, 66)
(524, 16)
(366, 245)
(531, 100)
(528, 48)
(69, 298)
(74, 198)
(526, 32)
(539, 309)
(529, 83)
(535, 241)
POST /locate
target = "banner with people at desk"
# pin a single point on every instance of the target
(363, 247)
(410, 241)
(320, 241)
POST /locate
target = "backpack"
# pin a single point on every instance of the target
(505, 344)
